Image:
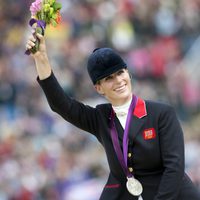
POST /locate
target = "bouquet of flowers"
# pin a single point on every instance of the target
(43, 12)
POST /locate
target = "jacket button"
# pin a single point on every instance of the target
(130, 169)
(129, 155)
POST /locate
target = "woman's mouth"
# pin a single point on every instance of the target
(119, 89)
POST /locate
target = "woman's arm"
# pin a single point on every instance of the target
(80, 115)
(41, 58)
(75, 112)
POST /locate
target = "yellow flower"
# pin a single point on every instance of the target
(46, 7)
(51, 11)
(51, 2)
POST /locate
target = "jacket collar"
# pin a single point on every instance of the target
(140, 110)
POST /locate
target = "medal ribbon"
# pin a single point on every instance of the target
(122, 156)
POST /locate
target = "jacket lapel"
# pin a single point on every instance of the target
(138, 119)
(140, 110)
(119, 128)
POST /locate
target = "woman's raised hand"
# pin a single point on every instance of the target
(31, 43)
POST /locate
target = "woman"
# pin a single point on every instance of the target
(143, 140)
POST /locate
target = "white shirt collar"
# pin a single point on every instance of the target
(123, 109)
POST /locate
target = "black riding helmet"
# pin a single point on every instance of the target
(104, 62)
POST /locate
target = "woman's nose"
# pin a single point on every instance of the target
(118, 78)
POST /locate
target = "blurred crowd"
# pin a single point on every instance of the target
(42, 157)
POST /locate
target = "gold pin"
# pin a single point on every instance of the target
(130, 169)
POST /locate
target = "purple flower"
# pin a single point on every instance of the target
(35, 7)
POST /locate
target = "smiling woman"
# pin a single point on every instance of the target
(143, 140)
(116, 87)
(110, 76)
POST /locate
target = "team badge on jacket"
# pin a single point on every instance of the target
(149, 133)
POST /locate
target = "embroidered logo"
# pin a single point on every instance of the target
(149, 134)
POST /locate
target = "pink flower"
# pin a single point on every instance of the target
(35, 7)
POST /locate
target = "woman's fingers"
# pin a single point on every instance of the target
(32, 38)
(30, 44)
(40, 37)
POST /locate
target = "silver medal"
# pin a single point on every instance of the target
(134, 186)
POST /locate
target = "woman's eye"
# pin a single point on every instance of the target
(120, 72)
(108, 78)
